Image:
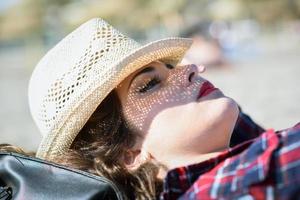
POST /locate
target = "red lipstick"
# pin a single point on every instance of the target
(206, 89)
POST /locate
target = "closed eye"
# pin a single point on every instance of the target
(169, 66)
(149, 85)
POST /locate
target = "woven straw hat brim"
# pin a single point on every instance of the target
(59, 140)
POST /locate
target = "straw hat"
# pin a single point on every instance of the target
(72, 79)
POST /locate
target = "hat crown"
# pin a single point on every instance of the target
(71, 69)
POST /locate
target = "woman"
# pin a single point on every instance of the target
(111, 107)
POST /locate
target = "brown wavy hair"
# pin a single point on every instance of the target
(99, 146)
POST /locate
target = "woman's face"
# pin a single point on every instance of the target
(174, 124)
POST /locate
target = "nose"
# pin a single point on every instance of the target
(189, 74)
(186, 74)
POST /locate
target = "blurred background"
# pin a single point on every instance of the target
(251, 49)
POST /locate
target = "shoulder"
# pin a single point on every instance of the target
(270, 161)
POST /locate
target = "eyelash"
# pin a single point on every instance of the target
(169, 66)
(149, 85)
(154, 81)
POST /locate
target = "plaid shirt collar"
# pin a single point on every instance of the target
(179, 180)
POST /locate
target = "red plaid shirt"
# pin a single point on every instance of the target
(267, 167)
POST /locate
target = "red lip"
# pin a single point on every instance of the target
(206, 89)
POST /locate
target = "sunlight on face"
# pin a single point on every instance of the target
(161, 102)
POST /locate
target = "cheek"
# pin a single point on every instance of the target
(173, 120)
(142, 111)
(167, 131)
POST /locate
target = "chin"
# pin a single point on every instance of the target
(228, 108)
(220, 106)
(224, 107)
(227, 117)
(213, 122)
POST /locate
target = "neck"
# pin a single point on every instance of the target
(192, 159)
(188, 160)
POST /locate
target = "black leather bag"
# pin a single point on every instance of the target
(23, 177)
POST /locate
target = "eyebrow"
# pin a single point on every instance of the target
(145, 70)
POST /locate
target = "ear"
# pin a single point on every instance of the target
(134, 158)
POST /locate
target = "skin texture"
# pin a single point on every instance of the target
(175, 127)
